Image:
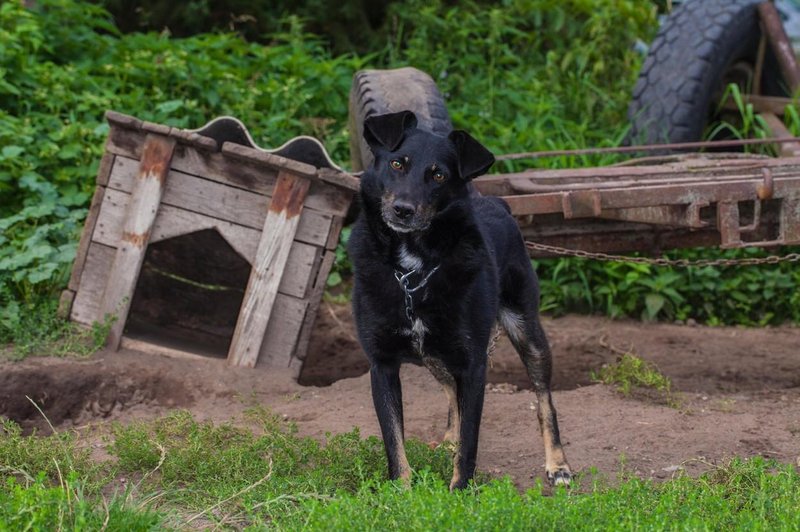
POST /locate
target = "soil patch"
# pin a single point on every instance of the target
(740, 389)
(697, 359)
(71, 392)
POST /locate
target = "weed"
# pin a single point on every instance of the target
(38, 505)
(39, 328)
(630, 372)
(742, 123)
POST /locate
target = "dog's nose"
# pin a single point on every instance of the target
(403, 210)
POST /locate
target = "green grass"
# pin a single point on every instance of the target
(177, 472)
(630, 372)
(35, 505)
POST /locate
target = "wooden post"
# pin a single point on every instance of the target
(139, 218)
(280, 227)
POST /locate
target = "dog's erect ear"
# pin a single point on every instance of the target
(387, 131)
(473, 158)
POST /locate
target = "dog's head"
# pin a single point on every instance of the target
(416, 174)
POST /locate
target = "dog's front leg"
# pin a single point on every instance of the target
(388, 398)
(469, 389)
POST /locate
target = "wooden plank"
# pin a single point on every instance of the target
(172, 222)
(277, 237)
(317, 292)
(276, 162)
(156, 349)
(194, 140)
(216, 166)
(283, 330)
(334, 233)
(104, 170)
(158, 129)
(341, 179)
(124, 141)
(221, 201)
(86, 238)
(122, 120)
(140, 216)
(93, 281)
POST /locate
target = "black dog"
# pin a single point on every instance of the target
(436, 266)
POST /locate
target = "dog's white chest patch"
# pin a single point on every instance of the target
(417, 333)
(408, 260)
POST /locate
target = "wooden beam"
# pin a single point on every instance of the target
(279, 230)
(86, 238)
(139, 218)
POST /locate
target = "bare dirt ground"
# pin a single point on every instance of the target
(739, 387)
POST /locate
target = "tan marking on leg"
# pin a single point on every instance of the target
(445, 378)
(404, 471)
(554, 458)
(453, 432)
(456, 475)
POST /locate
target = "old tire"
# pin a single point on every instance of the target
(702, 46)
(376, 92)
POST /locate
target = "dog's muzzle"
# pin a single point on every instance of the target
(403, 216)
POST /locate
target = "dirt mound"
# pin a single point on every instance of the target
(696, 359)
(73, 392)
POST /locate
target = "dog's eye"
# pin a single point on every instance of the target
(439, 176)
(396, 164)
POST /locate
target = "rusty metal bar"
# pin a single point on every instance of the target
(653, 195)
(761, 104)
(699, 145)
(780, 43)
(778, 130)
(695, 170)
(758, 71)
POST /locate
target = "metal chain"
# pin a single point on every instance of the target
(681, 263)
(408, 291)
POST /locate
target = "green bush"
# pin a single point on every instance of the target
(749, 295)
(522, 75)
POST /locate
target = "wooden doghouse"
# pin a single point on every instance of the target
(201, 243)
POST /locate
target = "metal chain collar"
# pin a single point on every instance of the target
(681, 263)
(408, 291)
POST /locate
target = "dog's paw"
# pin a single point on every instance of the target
(559, 477)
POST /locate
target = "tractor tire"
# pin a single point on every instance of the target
(376, 92)
(701, 47)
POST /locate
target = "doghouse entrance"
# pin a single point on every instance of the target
(189, 293)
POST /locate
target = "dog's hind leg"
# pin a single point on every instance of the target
(388, 399)
(448, 382)
(465, 395)
(529, 340)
